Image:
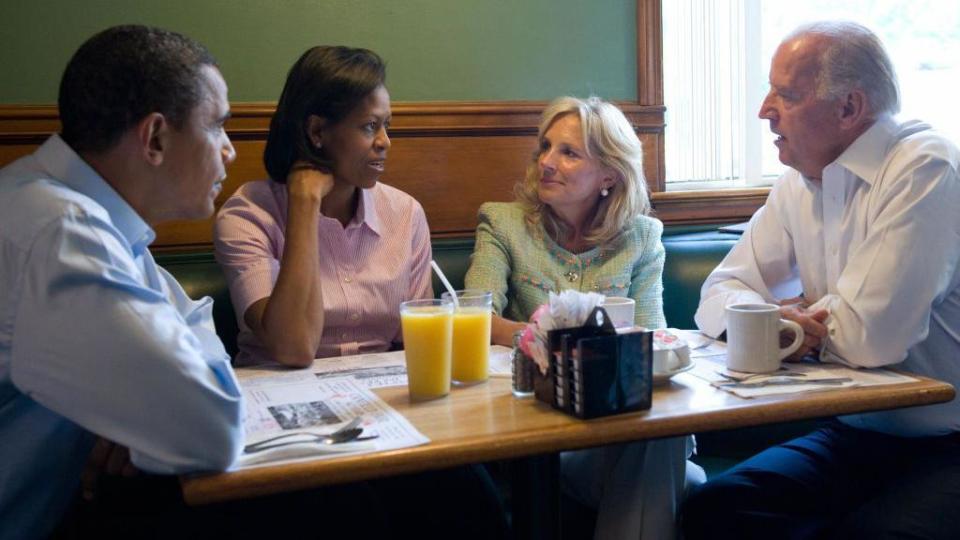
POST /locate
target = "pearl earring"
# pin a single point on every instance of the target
(604, 192)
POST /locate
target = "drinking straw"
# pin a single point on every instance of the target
(443, 279)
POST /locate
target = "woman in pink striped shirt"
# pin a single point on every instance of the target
(319, 256)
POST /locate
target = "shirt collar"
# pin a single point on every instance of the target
(866, 155)
(367, 211)
(63, 164)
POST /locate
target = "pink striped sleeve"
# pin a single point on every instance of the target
(421, 284)
(247, 243)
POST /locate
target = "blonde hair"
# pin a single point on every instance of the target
(610, 140)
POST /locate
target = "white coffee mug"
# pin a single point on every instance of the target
(753, 337)
(621, 310)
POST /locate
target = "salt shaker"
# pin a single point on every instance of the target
(521, 368)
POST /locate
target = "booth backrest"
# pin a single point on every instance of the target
(690, 257)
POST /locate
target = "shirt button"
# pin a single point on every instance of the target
(347, 280)
(344, 336)
(355, 316)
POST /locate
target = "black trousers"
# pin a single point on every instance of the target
(461, 502)
(837, 482)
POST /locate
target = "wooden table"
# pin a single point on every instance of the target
(486, 422)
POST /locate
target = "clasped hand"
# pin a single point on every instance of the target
(812, 321)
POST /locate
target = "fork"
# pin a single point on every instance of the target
(347, 432)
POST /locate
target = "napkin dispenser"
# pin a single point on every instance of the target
(593, 371)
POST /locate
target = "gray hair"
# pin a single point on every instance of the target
(854, 57)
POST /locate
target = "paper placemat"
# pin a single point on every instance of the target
(711, 360)
(294, 403)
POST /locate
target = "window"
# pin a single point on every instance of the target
(716, 57)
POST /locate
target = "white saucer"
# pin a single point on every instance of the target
(661, 378)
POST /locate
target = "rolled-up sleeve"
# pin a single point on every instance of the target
(245, 244)
(421, 278)
(903, 268)
(96, 345)
(760, 267)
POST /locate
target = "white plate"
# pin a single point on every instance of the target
(661, 378)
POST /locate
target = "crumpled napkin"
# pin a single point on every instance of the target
(569, 309)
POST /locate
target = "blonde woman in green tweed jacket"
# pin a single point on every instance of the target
(580, 222)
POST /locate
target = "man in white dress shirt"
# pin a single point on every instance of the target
(859, 242)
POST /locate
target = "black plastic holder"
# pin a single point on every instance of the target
(594, 372)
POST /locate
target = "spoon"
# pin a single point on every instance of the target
(347, 432)
(351, 435)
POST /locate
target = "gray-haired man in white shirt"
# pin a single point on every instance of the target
(859, 242)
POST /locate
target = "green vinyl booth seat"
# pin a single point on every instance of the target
(690, 258)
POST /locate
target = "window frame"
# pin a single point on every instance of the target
(727, 205)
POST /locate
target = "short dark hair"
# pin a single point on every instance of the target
(325, 81)
(121, 75)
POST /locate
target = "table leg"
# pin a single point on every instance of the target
(535, 497)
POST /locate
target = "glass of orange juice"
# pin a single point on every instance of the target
(427, 338)
(471, 336)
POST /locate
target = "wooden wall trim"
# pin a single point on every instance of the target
(476, 150)
(34, 123)
(649, 53)
(650, 78)
(699, 207)
(27, 124)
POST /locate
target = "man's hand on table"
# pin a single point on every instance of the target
(797, 310)
(106, 458)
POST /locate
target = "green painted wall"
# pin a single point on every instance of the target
(435, 49)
